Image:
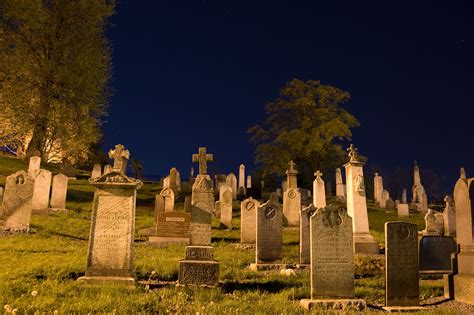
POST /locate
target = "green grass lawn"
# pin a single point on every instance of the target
(50, 261)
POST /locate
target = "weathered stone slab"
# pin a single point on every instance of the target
(34, 166)
(305, 246)
(172, 228)
(340, 190)
(449, 217)
(225, 197)
(269, 236)
(319, 191)
(15, 213)
(96, 171)
(168, 198)
(159, 205)
(199, 267)
(248, 221)
(241, 190)
(403, 210)
(401, 264)
(231, 181)
(292, 206)
(435, 254)
(40, 201)
(59, 193)
(202, 201)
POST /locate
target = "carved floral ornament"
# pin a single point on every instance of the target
(331, 216)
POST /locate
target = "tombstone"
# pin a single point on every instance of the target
(383, 199)
(340, 190)
(249, 181)
(202, 201)
(199, 267)
(172, 228)
(217, 209)
(178, 181)
(269, 235)
(225, 197)
(401, 264)
(319, 195)
(168, 197)
(248, 213)
(292, 198)
(15, 213)
(305, 246)
(357, 205)
(59, 193)
(34, 166)
(332, 261)
(187, 204)
(434, 224)
(463, 281)
(159, 205)
(110, 254)
(403, 210)
(449, 217)
(435, 254)
(242, 178)
(108, 169)
(166, 182)
(220, 180)
(378, 189)
(419, 195)
(404, 196)
(291, 176)
(390, 205)
(173, 180)
(231, 181)
(96, 171)
(40, 201)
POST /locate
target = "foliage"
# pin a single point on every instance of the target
(306, 124)
(55, 68)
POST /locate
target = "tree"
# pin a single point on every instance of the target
(307, 124)
(55, 67)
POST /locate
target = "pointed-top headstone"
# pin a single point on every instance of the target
(462, 173)
(202, 158)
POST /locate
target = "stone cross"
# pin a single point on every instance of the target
(202, 158)
(318, 174)
(292, 166)
(352, 153)
(120, 156)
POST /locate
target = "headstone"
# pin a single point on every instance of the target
(291, 176)
(306, 198)
(434, 224)
(435, 254)
(199, 267)
(378, 189)
(248, 212)
(187, 204)
(15, 213)
(319, 194)
(340, 190)
(40, 201)
(390, 204)
(225, 197)
(357, 205)
(34, 166)
(191, 176)
(231, 181)
(449, 216)
(401, 260)
(242, 178)
(107, 169)
(404, 196)
(110, 255)
(178, 181)
(220, 180)
(168, 197)
(120, 157)
(173, 185)
(269, 234)
(403, 210)
(305, 246)
(419, 195)
(249, 181)
(96, 171)
(172, 228)
(217, 209)
(59, 193)
(159, 205)
(292, 206)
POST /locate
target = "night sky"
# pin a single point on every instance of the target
(198, 73)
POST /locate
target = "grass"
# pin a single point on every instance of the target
(50, 261)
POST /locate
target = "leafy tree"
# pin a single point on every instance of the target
(307, 124)
(55, 67)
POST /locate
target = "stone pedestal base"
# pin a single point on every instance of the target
(159, 240)
(365, 244)
(464, 288)
(125, 281)
(402, 309)
(335, 304)
(198, 272)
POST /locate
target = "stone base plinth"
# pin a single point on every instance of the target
(199, 272)
(365, 244)
(403, 309)
(335, 304)
(464, 288)
(125, 281)
(160, 240)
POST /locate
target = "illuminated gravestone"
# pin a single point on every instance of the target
(168, 199)
(15, 213)
(449, 216)
(340, 189)
(420, 200)
(40, 201)
(96, 171)
(292, 198)
(231, 181)
(172, 228)
(110, 255)
(305, 252)
(248, 227)
(225, 198)
(378, 189)
(34, 166)
(319, 193)
(59, 193)
(241, 190)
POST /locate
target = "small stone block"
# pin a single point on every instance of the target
(335, 304)
(403, 309)
(194, 272)
(199, 253)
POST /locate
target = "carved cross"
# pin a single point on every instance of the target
(318, 174)
(352, 153)
(202, 158)
(292, 165)
(120, 156)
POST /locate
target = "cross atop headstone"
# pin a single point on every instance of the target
(376, 174)
(318, 174)
(202, 158)
(120, 156)
(462, 173)
(352, 153)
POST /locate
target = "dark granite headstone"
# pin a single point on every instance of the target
(435, 254)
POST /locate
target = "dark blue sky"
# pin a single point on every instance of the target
(198, 73)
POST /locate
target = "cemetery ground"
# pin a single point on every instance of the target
(38, 272)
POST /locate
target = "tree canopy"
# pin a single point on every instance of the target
(307, 124)
(55, 68)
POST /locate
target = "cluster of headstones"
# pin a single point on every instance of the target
(29, 192)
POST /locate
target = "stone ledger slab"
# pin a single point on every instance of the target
(435, 254)
(172, 228)
(199, 267)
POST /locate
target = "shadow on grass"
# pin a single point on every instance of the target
(272, 286)
(68, 236)
(80, 196)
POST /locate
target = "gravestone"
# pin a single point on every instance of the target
(173, 185)
(168, 197)
(15, 213)
(249, 181)
(187, 204)
(378, 189)
(248, 228)
(59, 193)
(178, 181)
(305, 246)
(159, 205)
(40, 201)
(269, 234)
(435, 254)
(449, 217)
(401, 264)
(434, 224)
(404, 196)
(292, 197)
(319, 193)
(199, 267)
(242, 179)
(332, 261)
(340, 190)
(34, 166)
(419, 195)
(110, 254)
(172, 228)
(96, 171)
(225, 197)
(403, 210)
(107, 169)
(202, 201)
(120, 157)
(231, 181)
(357, 205)
(217, 209)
